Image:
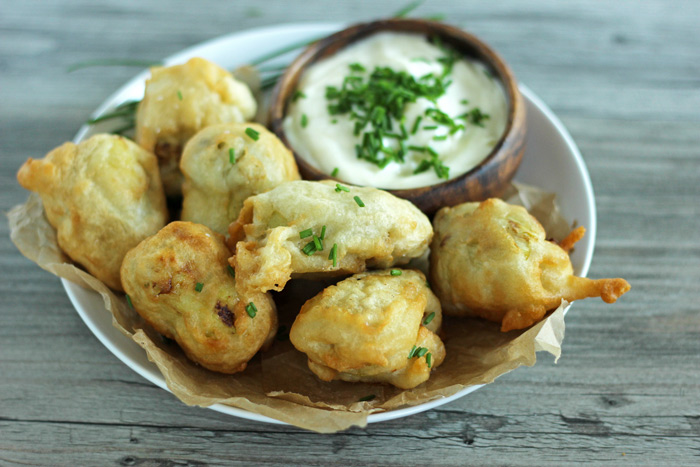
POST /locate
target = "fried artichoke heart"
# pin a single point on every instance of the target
(103, 196)
(179, 282)
(350, 228)
(370, 328)
(179, 101)
(223, 165)
(492, 260)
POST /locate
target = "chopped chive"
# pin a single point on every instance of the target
(428, 318)
(413, 350)
(334, 254)
(396, 272)
(304, 120)
(306, 233)
(199, 286)
(339, 188)
(323, 232)
(416, 124)
(317, 243)
(231, 271)
(359, 201)
(231, 156)
(128, 302)
(367, 398)
(334, 172)
(356, 67)
(297, 95)
(251, 309)
(464, 101)
(254, 135)
(440, 138)
(309, 249)
(179, 95)
(429, 360)
(430, 127)
(334, 121)
(421, 351)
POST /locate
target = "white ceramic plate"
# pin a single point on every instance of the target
(551, 161)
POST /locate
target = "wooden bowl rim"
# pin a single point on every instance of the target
(456, 37)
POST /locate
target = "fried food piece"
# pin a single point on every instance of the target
(223, 165)
(272, 246)
(103, 196)
(178, 281)
(179, 101)
(369, 327)
(491, 260)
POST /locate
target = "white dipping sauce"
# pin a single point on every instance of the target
(326, 145)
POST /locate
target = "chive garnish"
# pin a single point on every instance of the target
(309, 249)
(317, 243)
(334, 172)
(430, 127)
(128, 302)
(359, 201)
(251, 309)
(396, 272)
(231, 156)
(339, 188)
(297, 95)
(429, 360)
(304, 120)
(323, 232)
(428, 318)
(306, 233)
(179, 95)
(334, 121)
(421, 351)
(254, 135)
(334, 254)
(366, 398)
(464, 102)
(199, 286)
(416, 124)
(231, 271)
(413, 351)
(440, 138)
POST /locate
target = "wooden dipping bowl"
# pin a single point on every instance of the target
(488, 179)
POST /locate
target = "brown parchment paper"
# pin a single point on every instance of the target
(278, 383)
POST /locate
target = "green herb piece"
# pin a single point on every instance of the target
(334, 254)
(359, 201)
(297, 95)
(413, 351)
(440, 138)
(128, 302)
(429, 360)
(251, 309)
(464, 101)
(435, 17)
(304, 120)
(366, 398)
(317, 243)
(231, 271)
(334, 172)
(416, 124)
(339, 188)
(475, 116)
(199, 286)
(309, 249)
(323, 232)
(421, 351)
(395, 272)
(407, 9)
(357, 67)
(231, 156)
(430, 127)
(334, 121)
(306, 233)
(179, 94)
(428, 318)
(254, 135)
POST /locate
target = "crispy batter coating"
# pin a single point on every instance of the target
(223, 166)
(103, 196)
(491, 260)
(178, 281)
(365, 327)
(267, 234)
(179, 101)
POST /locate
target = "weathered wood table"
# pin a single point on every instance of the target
(625, 79)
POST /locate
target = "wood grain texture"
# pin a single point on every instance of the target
(624, 77)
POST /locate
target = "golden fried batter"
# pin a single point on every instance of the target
(369, 327)
(271, 246)
(179, 101)
(178, 281)
(223, 165)
(491, 260)
(103, 196)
